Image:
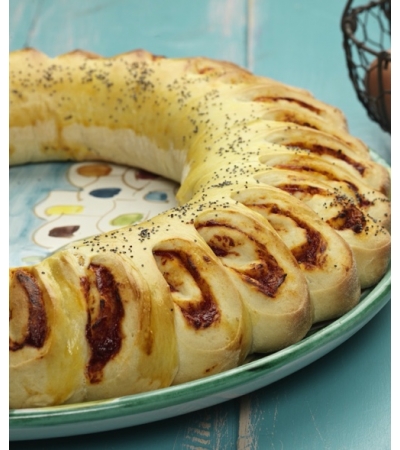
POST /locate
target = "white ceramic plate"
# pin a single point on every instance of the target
(30, 200)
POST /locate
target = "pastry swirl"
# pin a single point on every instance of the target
(283, 218)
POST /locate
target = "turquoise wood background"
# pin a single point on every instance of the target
(341, 401)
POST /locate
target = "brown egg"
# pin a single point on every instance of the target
(382, 93)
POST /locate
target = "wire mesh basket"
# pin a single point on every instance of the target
(367, 41)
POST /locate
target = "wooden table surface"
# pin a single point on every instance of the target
(341, 401)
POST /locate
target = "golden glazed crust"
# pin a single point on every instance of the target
(284, 217)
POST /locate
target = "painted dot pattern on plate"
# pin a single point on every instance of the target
(103, 197)
(64, 232)
(94, 170)
(126, 219)
(57, 210)
(105, 192)
(156, 196)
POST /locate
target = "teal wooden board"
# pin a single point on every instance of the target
(300, 43)
(215, 29)
(24, 13)
(339, 402)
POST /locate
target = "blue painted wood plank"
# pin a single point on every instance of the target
(208, 429)
(341, 401)
(213, 28)
(22, 21)
(300, 43)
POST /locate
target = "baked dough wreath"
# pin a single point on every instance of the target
(284, 217)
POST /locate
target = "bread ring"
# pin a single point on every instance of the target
(283, 218)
